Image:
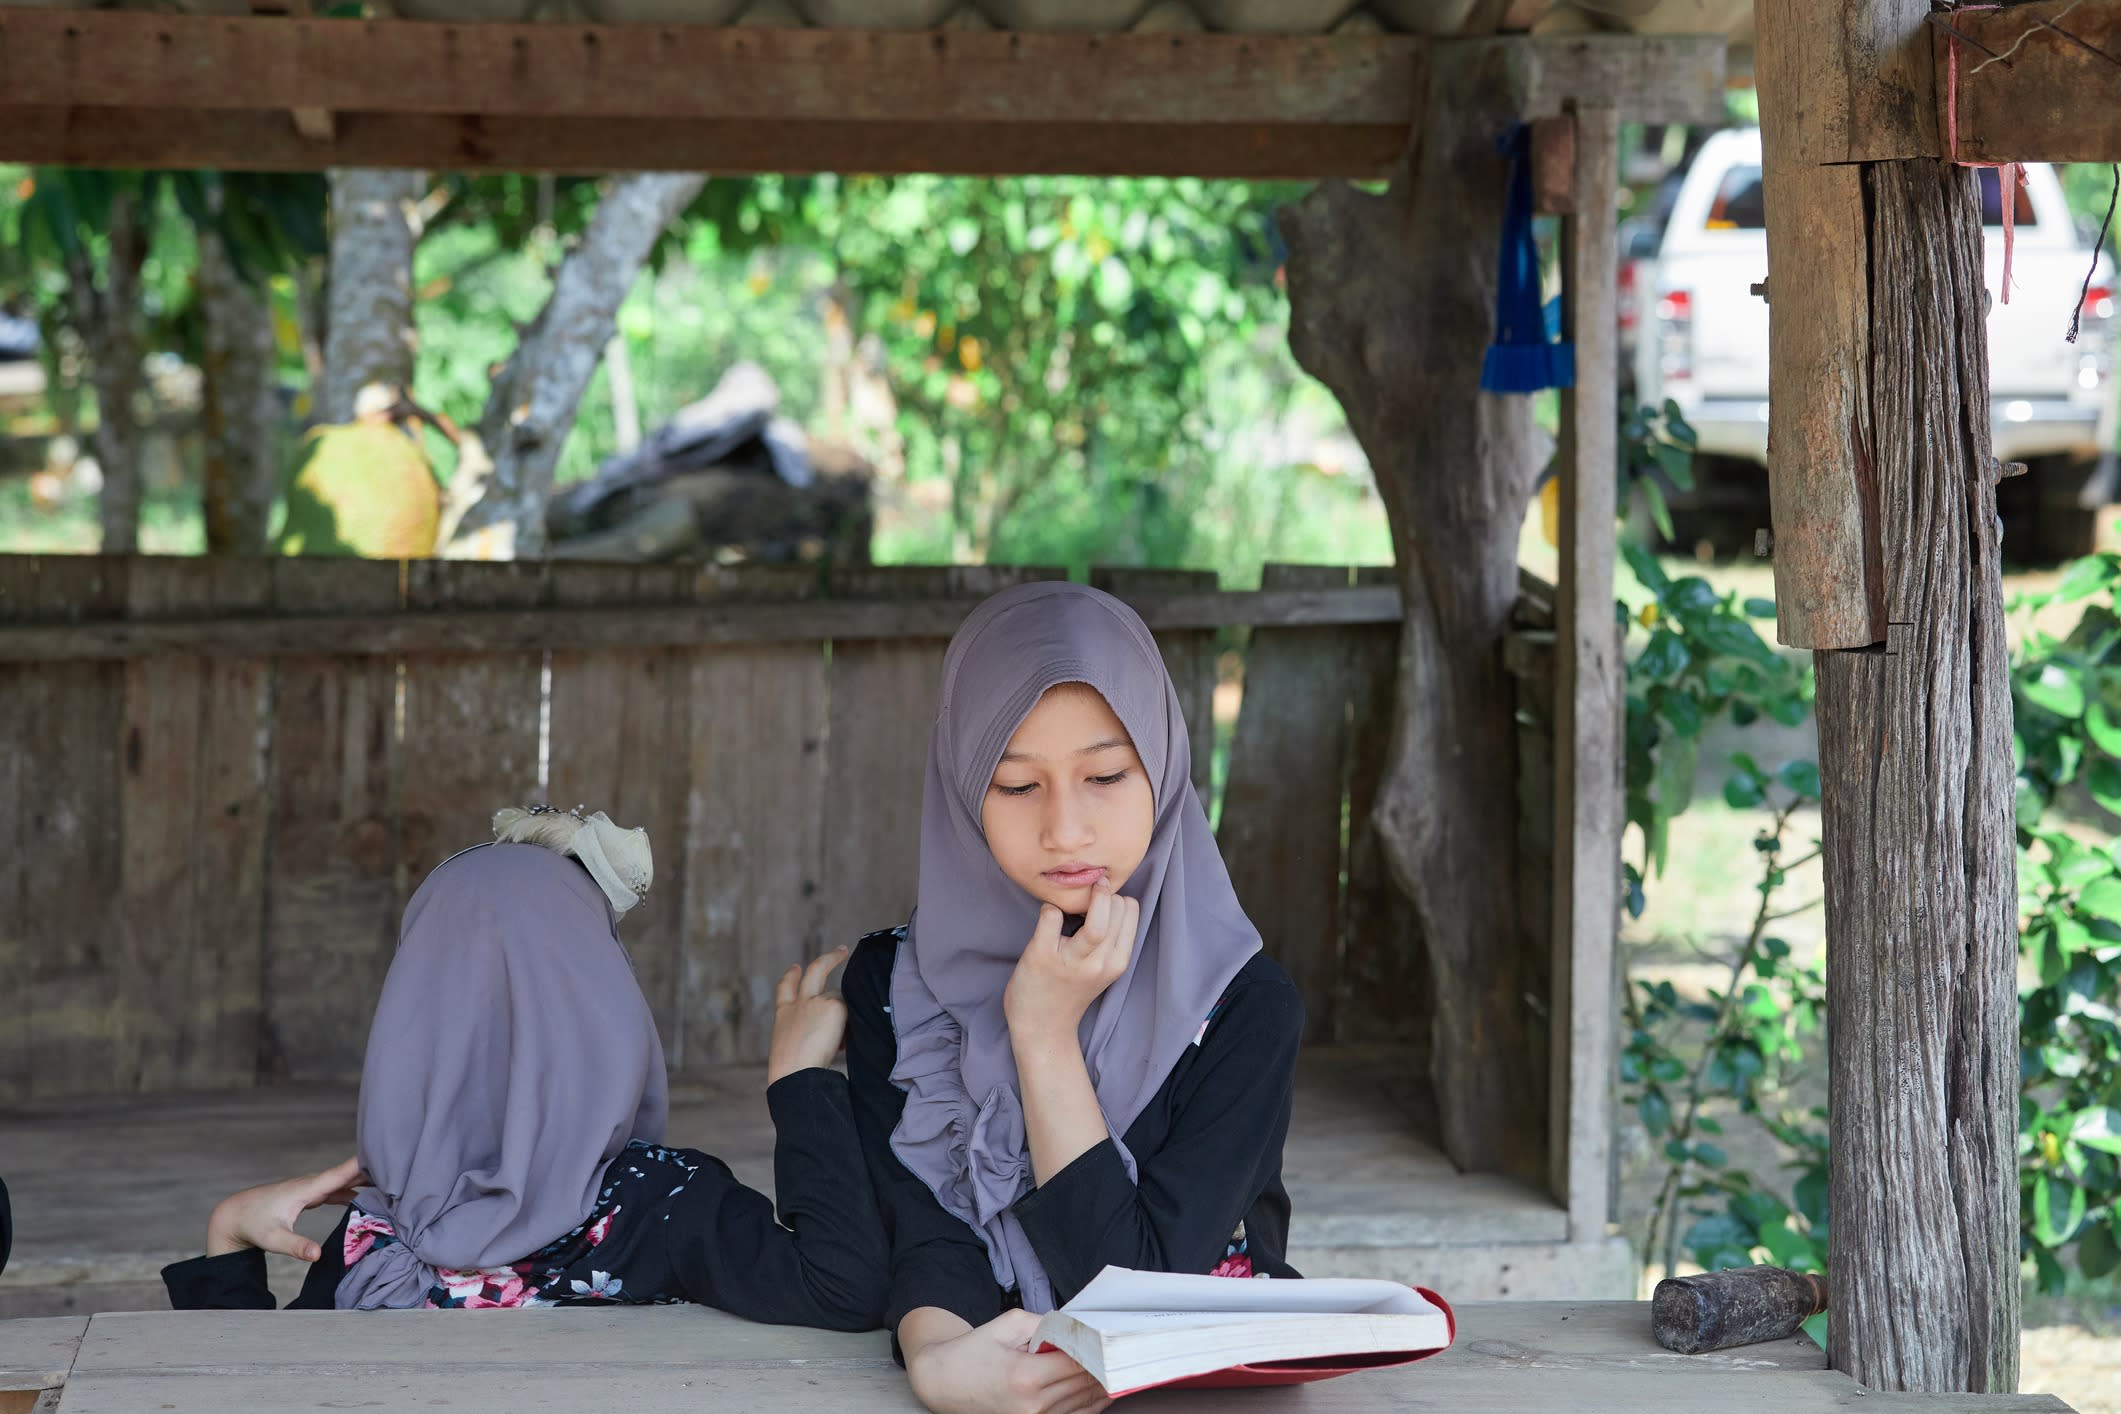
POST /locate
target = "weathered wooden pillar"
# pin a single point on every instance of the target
(1588, 811)
(1886, 546)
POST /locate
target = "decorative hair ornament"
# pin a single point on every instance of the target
(618, 859)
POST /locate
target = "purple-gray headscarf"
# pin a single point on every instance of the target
(512, 1057)
(962, 1131)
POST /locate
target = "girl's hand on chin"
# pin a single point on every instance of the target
(1057, 978)
(990, 1370)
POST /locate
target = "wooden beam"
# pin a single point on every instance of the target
(509, 631)
(2053, 95)
(96, 86)
(1829, 587)
(1857, 83)
(259, 141)
(1588, 813)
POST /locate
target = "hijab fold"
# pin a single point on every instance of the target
(962, 1129)
(512, 1058)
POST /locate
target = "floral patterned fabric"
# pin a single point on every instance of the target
(564, 1272)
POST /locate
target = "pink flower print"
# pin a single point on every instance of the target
(1237, 1265)
(361, 1235)
(599, 1229)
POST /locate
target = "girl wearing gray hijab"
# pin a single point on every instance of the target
(1075, 1053)
(511, 1118)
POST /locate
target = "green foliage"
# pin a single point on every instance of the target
(2068, 753)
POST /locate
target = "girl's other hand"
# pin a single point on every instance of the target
(1057, 978)
(808, 1021)
(990, 1370)
(264, 1217)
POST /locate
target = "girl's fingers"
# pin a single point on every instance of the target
(820, 969)
(1048, 932)
(1088, 1401)
(784, 990)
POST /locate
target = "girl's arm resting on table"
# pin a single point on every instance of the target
(235, 1281)
(958, 1368)
(725, 1249)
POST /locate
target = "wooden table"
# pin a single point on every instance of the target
(1547, 1357)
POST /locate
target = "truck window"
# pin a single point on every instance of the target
(1738, 206)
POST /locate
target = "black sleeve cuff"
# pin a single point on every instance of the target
(233, 1281)
(1069, 1216)
(956, 1279)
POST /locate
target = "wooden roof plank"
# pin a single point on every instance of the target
(126, 88)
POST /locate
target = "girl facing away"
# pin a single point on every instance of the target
(511, 1123)
(1075, 1053)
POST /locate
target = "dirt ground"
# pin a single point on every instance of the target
(1697, 914)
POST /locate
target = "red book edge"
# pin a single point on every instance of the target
(1303, 1372)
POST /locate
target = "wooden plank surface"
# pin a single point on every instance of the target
(537, 630)
(756, 826)
(1849, 82)
(1280, 829)
(331, 895)
(1189, 656)
(37, 1353)
(1829, 586)
(471, 721)
(619, 734)
(1588, 811)
(1508, 1356)
(69, 727)
(192, 840)
(2056, 100)
(882, 706)
(1387, 993)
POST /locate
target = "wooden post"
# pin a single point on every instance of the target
(1587, 770)
(1881, 438)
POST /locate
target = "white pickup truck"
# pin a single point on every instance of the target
(1703, 342)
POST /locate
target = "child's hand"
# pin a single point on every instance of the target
(1057, 978)
(990, 1370)
(264, 1217)
(808, 1021)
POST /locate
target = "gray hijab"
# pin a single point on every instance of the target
(962, 1130)
(512, 1057)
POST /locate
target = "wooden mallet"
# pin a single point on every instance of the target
(1738, 1306)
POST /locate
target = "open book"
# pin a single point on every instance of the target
(1135, 1330)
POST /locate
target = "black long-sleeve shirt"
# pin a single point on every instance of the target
(680, 1228)
(1207, 1154)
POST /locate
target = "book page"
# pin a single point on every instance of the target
(1119, 1289)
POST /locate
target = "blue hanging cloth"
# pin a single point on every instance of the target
(1526, 355)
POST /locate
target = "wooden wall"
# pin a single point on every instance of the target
(220, 780)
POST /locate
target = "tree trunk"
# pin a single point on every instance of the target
(107, 314)
(241, 405)
(1391, 301)
(537, 392)
(368, 326)
(1921, 870)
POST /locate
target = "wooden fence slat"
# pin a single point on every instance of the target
(1385, 989)
(755, 867)
(882, 704)
(21, 686)
(68, 846)
(1282, 804)
(1189, 656)
(618, 743)
(192, 838)
(331, 895)
(469, 741)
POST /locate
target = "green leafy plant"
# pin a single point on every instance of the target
(2067, 746)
